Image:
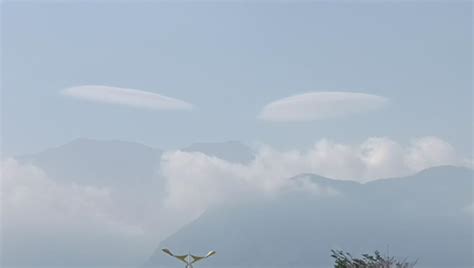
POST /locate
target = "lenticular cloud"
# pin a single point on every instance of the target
(128, 97)
(320, 105)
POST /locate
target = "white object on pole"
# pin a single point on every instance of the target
(189, 259)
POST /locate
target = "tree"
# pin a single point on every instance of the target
(345, 260)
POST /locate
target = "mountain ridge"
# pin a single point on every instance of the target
(365, 217)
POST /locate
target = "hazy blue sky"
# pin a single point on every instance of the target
(389, 85)
(229, 60)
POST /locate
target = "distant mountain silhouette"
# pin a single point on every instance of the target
(119, 163)
(232, 151)
(130, 174)
(99, 162)
(422, 217)
(427, 216)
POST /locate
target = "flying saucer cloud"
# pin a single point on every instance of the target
(320, 105)
(127, 97)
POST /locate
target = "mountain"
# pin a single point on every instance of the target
(232, 151)
(119, 163)
(100, 203)
(99, 162)
(425, 216)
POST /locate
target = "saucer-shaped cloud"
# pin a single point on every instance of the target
(320, 105)
(128, 97)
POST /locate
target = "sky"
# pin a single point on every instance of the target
(350, 91)
(253, 72)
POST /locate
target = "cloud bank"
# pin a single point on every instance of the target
(90, 225)
(320, 105)
(47, 222)
(128, 97)
(196, 181)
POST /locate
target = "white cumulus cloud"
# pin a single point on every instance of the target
(111, 226)
(54, 222)
(196, 181)
(320, 105)
(125, 96)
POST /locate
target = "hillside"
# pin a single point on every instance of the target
(425, 216)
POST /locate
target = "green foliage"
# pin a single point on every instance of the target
(345, 260)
